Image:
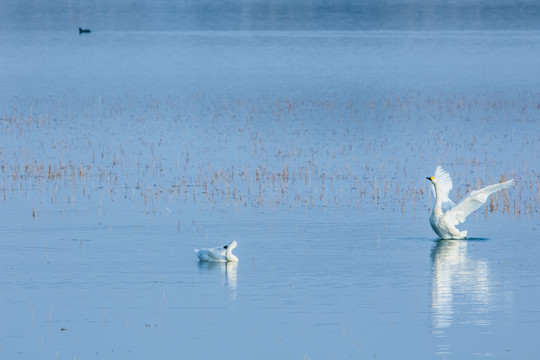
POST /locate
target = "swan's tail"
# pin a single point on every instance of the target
(202, 255)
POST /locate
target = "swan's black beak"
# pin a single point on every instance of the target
(430, 178)
(226, 246)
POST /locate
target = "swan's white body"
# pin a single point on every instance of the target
(218, 254)
(446, 215)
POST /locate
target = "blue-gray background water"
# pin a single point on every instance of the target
(303, 130)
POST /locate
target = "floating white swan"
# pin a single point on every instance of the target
(444, 222)
(218, 254)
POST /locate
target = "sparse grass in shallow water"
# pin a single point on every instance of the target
(158, 156)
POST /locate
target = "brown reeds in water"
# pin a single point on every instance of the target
(328, 153)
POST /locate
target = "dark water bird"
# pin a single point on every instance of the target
(84, 31)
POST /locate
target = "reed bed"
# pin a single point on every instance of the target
(160, 156)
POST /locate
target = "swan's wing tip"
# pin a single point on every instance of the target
(504, 184)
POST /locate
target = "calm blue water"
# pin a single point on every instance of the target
(302, 130)
(115, 64)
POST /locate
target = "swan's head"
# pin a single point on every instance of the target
(434, 179)
(441, 178)
(230, 246)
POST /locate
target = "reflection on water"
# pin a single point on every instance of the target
(229, 270)
(458, 279)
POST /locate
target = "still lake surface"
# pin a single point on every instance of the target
(305, 141)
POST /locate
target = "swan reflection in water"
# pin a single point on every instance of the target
(229, 272)
(465, 291)
(458, 281)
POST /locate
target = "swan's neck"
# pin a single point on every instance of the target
(437, 209)
(230, 256)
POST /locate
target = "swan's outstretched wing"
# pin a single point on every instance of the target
(474, 201)
(444, 184)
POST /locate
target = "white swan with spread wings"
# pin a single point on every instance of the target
(446, 214)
